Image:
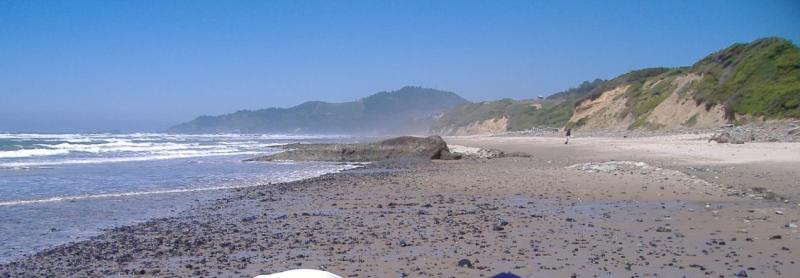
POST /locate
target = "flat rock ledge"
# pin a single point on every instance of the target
(432, 147)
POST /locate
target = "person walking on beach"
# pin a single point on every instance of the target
(569, 134)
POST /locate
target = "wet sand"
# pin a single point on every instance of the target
(676, 214)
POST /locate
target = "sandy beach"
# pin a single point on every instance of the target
(667, 206)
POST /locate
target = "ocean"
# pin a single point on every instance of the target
(60, 188)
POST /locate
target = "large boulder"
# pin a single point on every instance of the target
(433, 147)
(722, 137)
(726, 137)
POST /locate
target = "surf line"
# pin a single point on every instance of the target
(112, 195)
(166, 191)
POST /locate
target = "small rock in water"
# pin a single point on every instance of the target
(775, 237)
(742, 273)
(779, 212)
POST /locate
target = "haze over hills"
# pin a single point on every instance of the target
(408, 110)
(746, 82)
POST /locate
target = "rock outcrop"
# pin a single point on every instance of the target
(433, 147)
(725, 137)
(465, 152)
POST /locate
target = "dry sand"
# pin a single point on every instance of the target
(679, 207)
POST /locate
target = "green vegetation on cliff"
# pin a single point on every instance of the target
(761, 78)
(554, 111)
(647, 89)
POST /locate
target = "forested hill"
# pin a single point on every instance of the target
(408, 110)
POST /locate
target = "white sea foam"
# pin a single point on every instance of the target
(112, 195)
(80, 140)
(95, 136)
(103, 148)
(31, 152)
(37, 136)
(124, 146)
(163, 156)
(114, 147)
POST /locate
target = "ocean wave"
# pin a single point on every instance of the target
(112, 195)
(123, 146)
(38, 136)
(31, 152)
(80, 140)
(286, 177)
(161, 156)
(127, 146)
(97, 136)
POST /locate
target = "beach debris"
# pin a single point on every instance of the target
(497, 227)
(779, 212)
(609, 166)
(742, 273)
(487, 206)
(476, 153)
(464, 263)
(700, 267)
(790, 225)
(638, 168)
(722, 137)
(663, 230)
(727, 137)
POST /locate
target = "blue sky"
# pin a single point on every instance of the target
(144, 65)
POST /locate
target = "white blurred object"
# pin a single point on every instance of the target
(301, 273)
